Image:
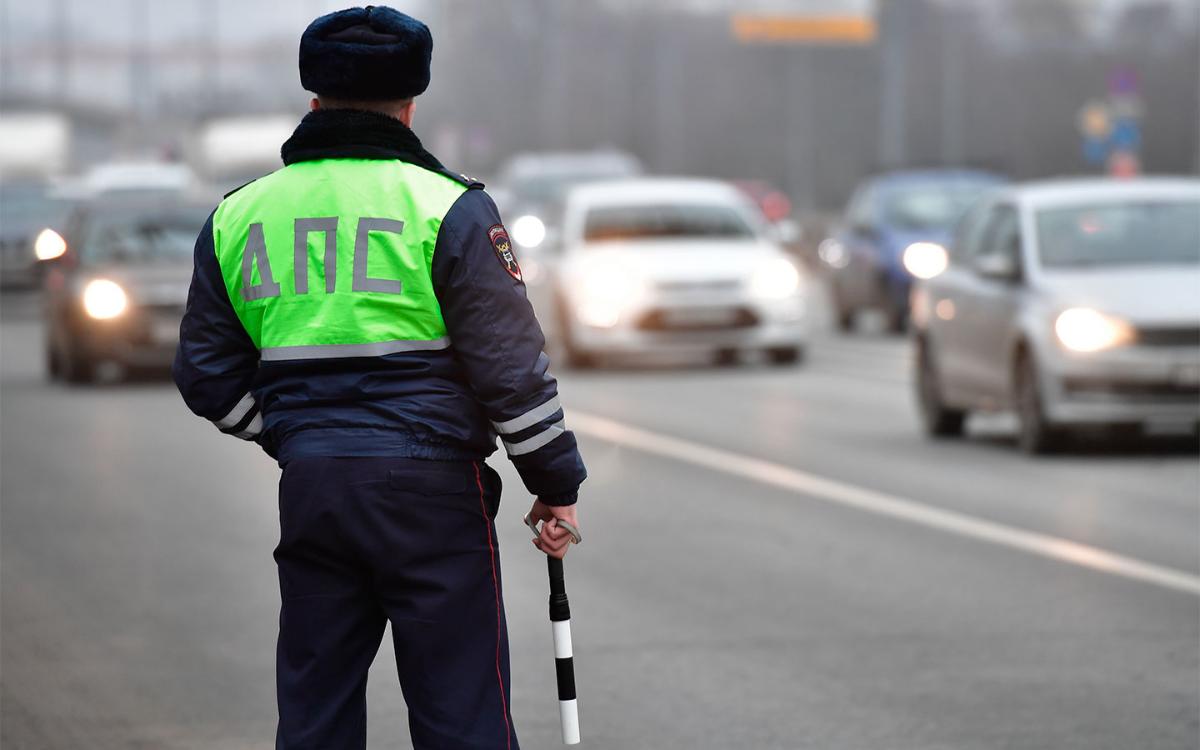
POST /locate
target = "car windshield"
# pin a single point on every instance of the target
(150, 236)
(703, 221)
(1144, 233)
(932, 205)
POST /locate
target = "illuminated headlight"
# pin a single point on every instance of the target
(104, 299)
(834, 253)
(49, 245)
(925, 259)
(605, 291)
(1082, 329)
(775, 279)
(528, 231)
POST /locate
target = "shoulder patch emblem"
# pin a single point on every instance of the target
(503, 247)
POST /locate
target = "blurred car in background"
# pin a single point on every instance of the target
(533, 187)
(886, 216)
(27, 210)
(116, 291)
(1073, 303)
(669, 266)
(35, 151)
(134, 179)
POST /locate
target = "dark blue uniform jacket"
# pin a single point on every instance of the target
(447, 405)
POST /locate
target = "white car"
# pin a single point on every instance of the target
(672, 266)
(1070, 302)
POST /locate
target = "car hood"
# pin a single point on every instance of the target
(898, 239)
(1165, 294)
(682, 260)
(149, 284)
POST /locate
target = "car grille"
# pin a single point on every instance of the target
(1134, 389)
(714, 286)
(666, 320)
(163, 310)
(1169, 336)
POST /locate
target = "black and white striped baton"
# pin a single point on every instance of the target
(560, 622)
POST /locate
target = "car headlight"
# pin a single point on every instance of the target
(925, 260)
(833, 253)
(1082, 329)
(605, 290)
(528, 231)
(104, 299)
(775, 279)
(49, 245)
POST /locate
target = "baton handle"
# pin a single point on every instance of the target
(533, 526)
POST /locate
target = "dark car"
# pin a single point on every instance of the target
(116, 295)
(886, 216)
(27, 209)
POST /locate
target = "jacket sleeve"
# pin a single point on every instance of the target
(500, 344)
(216, 361)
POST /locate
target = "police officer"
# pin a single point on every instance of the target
(359, 313)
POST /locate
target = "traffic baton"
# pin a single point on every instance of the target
(560, 622)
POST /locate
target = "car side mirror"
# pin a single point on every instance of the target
(997, 266)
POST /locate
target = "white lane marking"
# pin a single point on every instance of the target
(880, 503)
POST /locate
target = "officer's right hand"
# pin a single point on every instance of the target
(553, 540)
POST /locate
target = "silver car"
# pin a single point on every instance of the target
(1070, 302)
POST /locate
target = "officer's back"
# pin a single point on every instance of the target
(359, 313)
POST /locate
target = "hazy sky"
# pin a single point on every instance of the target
(243, 20)
(167, 19)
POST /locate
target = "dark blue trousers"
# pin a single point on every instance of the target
(367, 541)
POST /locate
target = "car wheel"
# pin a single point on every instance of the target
(576, 358)
(725, 357)
(53, 360)
(785, 355)
(938, 419)
(1035, 434)
(76, 366)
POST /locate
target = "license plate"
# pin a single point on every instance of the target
(165, 331)
(1187, 375)
(700, 316)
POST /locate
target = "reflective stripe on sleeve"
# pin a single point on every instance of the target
(528, 419)
(252, 429)
(537, 441)
(236, 414)
(334, 351)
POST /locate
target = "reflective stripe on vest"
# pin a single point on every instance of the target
(332, 258)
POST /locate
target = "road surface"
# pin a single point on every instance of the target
(774, 559)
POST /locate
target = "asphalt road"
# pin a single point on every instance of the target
(774, 559)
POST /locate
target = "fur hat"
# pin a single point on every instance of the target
(370, 53)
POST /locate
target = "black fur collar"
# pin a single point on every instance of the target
(357, 134)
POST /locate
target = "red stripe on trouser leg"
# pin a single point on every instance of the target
(496, 587)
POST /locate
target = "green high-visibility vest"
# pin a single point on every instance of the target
(332, 258)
